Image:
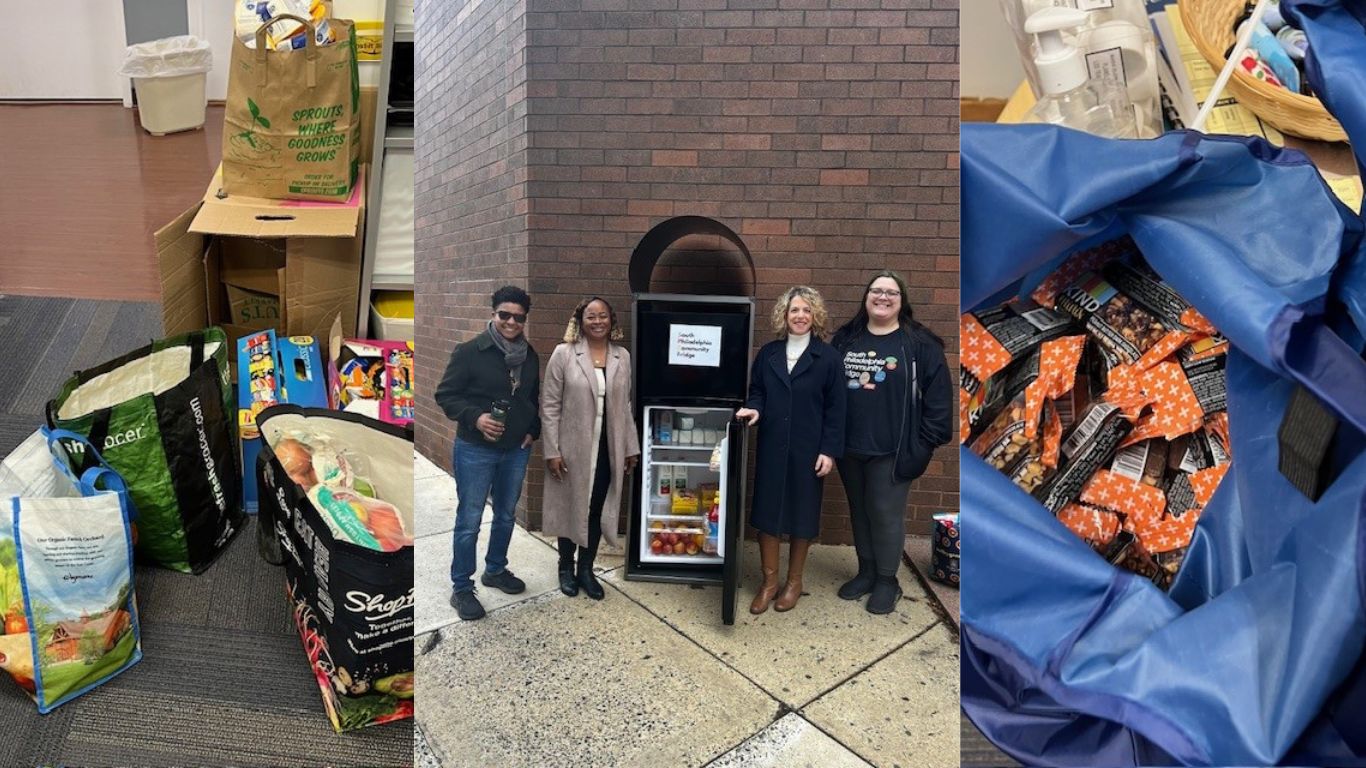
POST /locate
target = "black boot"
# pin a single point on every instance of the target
(861, 584)
(568, 584)
(587, 580)
(885, 594)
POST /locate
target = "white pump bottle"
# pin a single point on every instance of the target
(1068, 97)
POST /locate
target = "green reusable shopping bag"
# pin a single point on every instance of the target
(162, 418)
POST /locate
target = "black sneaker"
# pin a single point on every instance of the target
(467, 606)
(504, 581)
(885, 594)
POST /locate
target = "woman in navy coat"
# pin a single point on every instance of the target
(796, 395)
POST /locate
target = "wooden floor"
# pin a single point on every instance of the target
(82, 190)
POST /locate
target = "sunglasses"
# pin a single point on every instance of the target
(517, 317)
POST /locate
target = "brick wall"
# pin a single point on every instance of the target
(823, 132)
(469, 177)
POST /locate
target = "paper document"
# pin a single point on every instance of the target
(1228, 117)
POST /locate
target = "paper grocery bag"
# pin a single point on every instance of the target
(291, 126)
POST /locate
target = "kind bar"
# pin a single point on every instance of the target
(1123, 327)
(1136, 280)
(1003, 437)
(1144, 462)
(1209, 382)
(1005, 405)
(1038, 462)
(1078, 264)
(1088, 448)
(1057, 363)
(1172, 407)
(1097, 527)
(994, 339)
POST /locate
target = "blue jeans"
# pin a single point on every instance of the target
(481, 470)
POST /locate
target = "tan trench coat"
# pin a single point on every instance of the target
(568, 410)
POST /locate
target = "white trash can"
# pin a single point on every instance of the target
(169, 76)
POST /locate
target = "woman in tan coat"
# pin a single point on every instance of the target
(590, 441)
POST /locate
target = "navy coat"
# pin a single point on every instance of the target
(801, 416)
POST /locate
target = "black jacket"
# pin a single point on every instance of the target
(475, 377)
(801, 415)
(927, 412)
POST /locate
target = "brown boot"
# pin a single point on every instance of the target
(768, 559)
(796, 561)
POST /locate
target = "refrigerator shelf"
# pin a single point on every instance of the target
(677, 447)
(699, 557)
(677, 518)
(680, 463)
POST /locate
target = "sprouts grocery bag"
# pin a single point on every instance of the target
(163, 418)
(337, 498)
(66, 572)
(291, 120)
(1068, 659)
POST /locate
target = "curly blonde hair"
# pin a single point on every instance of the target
(574, 330)
(819, 317)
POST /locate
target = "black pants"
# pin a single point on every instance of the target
(877, 507)
(602, 480)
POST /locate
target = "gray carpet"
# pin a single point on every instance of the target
(223, 680)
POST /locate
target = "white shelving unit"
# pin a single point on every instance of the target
(388, 255)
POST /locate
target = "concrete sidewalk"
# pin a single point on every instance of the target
(650, 675)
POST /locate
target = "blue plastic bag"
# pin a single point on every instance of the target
(1068, 660)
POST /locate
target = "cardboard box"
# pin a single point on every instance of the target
(306, 255)
(283, 370)
(383, 368)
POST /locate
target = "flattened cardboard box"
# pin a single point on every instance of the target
(230, 241)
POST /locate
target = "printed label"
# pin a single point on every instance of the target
(1107, 67)
(695, 345)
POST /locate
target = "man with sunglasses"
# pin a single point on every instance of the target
(491, 389)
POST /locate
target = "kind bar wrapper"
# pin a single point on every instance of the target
(1135, 279)
(1003, 440)
(1125, 552)
(1058, 362)
(1078, 264)
(1168, 391)
(1144, 462)
(1097, 527)
(1088, 448)
(992, 340)
(1123, 327)
(1038, 462)
(1133, 500)
(1209, 381)
(995, 337)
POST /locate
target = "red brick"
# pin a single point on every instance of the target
(747, 141)
(844, 177)
(765, 227)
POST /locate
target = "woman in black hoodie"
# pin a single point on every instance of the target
(899, 409)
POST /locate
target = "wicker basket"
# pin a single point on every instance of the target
(1210, 25)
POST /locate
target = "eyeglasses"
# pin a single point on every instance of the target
(517, 317)
(890, 293)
